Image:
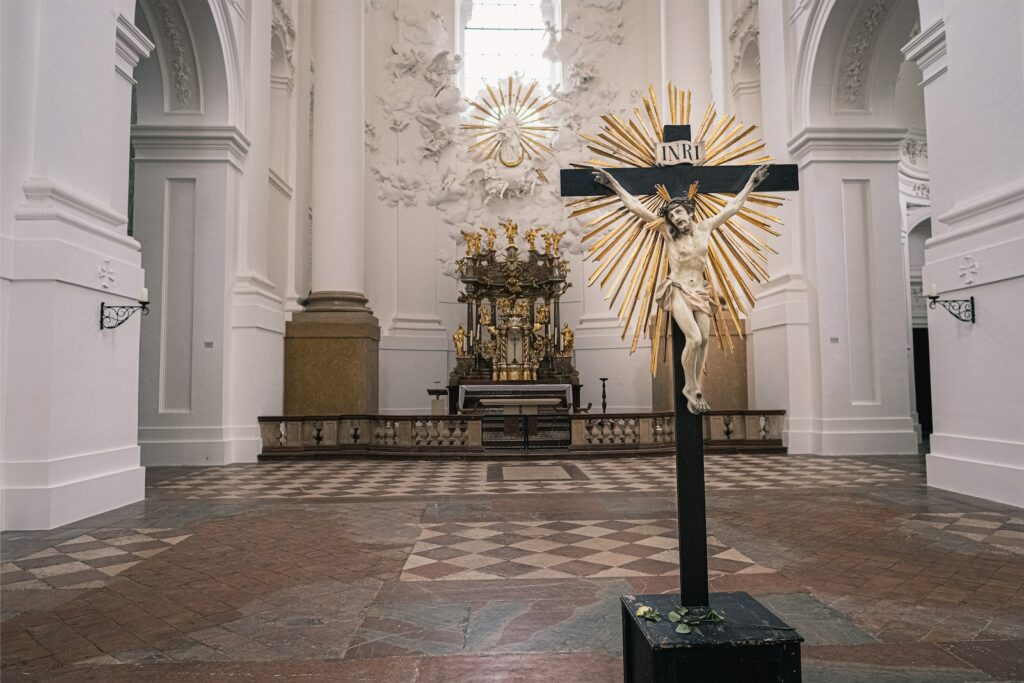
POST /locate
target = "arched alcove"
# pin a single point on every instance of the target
(848, 140)
(848, 62)
(746, 84)
(187, 157)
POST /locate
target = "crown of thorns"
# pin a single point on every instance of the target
(688, 203)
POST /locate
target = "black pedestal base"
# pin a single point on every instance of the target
(752, 645)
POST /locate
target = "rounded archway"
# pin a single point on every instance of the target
(848, 137)
(187, 163)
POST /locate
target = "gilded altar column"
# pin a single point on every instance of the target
(331, 348)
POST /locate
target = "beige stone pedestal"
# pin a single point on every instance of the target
(331, 357)
(725, 376)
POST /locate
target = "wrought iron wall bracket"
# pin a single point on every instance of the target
(961, 309)
(115, 316)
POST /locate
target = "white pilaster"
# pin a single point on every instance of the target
(849, 193)
(67, 76)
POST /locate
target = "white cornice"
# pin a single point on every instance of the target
(981, 213)
(190, 143)
(282, 185)
(131, 45)
(50, 199)
(847, 144)
(928, 50)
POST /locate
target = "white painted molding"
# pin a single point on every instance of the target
(131, 46)
(416, 325)
(253, 284)
(741, 88)
(872, 145)
(800, 8)
(49, 199)
(928, 50)
(855, 64)
(283, 26)
(47, 191)
(979, 213)
(190, 143)
(1001, 259)
(280, 184)
(179, 63)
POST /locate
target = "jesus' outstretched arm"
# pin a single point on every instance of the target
(632, 203)
(736, 203)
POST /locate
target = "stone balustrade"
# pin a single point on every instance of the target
(370, 433)
(612, 434)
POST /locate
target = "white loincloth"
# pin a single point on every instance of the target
(696, 298)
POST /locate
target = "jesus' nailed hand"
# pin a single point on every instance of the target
(685, 293)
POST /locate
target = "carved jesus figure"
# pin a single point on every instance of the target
(685, 293)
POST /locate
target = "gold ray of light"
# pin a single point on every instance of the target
(632, 257)
(508, 103)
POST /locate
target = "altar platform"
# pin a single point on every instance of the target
(483, 436)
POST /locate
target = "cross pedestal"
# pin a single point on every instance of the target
(751, 644)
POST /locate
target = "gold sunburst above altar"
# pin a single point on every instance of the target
(632, 257)
(511, 123)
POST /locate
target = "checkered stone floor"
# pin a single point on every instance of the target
(87, 561)
(558, 550)
(986, 527)
(375, 479)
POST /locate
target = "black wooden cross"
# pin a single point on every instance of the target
(693, 549)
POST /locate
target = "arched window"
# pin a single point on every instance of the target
(504, 37)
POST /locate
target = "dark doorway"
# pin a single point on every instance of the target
(923, 381)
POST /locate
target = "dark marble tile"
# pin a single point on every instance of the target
(1003, 660)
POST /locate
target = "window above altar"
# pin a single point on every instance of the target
(501, 38)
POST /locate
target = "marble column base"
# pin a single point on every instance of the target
(331, 357)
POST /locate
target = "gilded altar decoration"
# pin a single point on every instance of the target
(492, 237)
(567, 340)
(512, 324)
(459, 341)
(508, 123)
(633, 253)
(473, 240)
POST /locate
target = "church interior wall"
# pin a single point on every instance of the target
(66, 455)
(977, 244)
(222, 229)
(416, 303)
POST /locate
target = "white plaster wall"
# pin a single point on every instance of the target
(410, 248)
(69, 446)
(974, 102)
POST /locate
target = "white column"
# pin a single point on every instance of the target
(338, 156)
(685, 55)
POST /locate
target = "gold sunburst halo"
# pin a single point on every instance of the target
(510, 123)
(626, 249)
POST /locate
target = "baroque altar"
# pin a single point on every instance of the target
(512, 333)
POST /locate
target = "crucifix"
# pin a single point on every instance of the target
(683, 248)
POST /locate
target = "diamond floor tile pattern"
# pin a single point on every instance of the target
(456, 551)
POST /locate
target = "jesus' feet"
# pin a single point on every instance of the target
(698, 405)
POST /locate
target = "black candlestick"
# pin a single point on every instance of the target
(604, 395)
